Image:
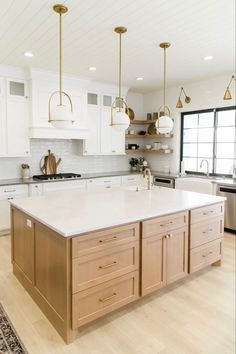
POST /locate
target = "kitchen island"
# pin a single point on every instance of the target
(82, 255)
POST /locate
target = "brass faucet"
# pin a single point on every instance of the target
(207, 163)
(147, 172)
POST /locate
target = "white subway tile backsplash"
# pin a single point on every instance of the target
(72, 159)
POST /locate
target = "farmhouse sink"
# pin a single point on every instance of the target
(195, 184)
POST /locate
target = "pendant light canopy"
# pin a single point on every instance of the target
(164, 123)
(119, 119)
(60, 116)
(227, 95)
(187, 99)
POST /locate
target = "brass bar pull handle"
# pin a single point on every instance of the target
(108, 265)
(108, 298)
(166, 236)
(108, 239)
(108, 186)
(9, 190)
(205, 255)
(167, 223)
(205, 232)
(208, 212)
(170, 235)
(10, 198)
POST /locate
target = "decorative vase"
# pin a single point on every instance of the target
(134, 168)
(25, 173)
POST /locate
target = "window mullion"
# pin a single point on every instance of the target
(214, 142)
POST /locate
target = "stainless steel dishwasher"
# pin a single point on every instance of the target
(229, 192)
(164, 182)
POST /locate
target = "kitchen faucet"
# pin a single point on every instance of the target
(207, 162)
(147, 172)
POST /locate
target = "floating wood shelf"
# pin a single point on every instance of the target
(160, 151)
(147, 136)
(142, 122)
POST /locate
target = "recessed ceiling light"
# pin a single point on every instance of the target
(28, 54)
(139, 78)
(208, 57)
(92, 68)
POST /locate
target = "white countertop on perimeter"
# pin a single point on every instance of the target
(75, 212)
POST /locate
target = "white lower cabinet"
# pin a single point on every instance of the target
(6, 194)
(107, 183)
(131, 180)
(51, 187)
(35, 189)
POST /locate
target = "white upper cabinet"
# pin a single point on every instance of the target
(103, 139)
(17, 118)
(14, 118)
(92, 143)
(42, 86)
(3, 146)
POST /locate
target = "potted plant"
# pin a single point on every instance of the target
(134, 162)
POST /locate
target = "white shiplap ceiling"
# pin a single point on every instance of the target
(195, 28)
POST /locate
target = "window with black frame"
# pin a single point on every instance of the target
(209, 135)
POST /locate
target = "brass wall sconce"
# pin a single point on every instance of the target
(227, 95)
(187, 99)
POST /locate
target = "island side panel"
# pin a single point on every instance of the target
(23, 244)
(49, 256)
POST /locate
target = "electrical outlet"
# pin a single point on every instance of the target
(29, 223)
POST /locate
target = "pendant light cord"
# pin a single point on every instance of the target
(120, 74)
(164, 77)
(60, 58)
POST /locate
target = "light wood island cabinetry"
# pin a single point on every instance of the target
(164, 251)
(206, 236)
(76, 280)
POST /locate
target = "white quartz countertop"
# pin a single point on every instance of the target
(75, 212)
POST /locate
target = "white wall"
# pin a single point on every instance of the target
(72, 161)
(204, 94)
(135, 102)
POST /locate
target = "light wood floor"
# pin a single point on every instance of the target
(195, 316)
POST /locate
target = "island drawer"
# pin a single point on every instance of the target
(102, 240)
(164, 224)
(210, 211)
(102, 266)
(97, 301)
(210, 230)
(205, 255)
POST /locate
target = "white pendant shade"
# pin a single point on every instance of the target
(61, 117)
(164, 125)
(120, 121)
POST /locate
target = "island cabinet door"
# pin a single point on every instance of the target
(177, 255)
(23, 243)
(153, 263)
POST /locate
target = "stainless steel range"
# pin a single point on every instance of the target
(58, 176)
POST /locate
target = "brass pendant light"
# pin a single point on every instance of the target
(227, 95)
(164, 124)
(119, 119)
(187, 99)
(60, 116)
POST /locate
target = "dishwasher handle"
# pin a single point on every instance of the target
(227, 190)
